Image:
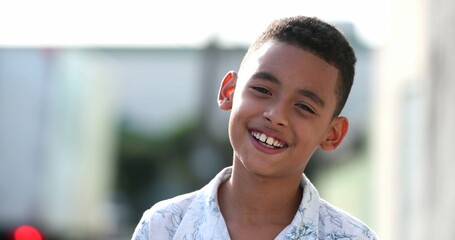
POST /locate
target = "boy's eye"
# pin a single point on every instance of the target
(262, 90)
(305, 107)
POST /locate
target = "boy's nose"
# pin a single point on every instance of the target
(276, 116)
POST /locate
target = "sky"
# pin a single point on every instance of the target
(141, 23)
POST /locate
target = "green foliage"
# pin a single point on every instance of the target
(152, 168)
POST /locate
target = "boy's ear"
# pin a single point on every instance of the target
(336, 133)
(226, 92)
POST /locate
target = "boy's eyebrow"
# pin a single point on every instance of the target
(267, 76)
(304, 92)
(311, 95)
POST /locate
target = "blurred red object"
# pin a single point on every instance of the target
(26, 232)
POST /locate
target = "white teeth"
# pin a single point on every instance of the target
(267, 140)
(262, 138)
(276, 143)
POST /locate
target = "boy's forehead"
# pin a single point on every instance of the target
(252, 60)
(272, 51)
(262, 50)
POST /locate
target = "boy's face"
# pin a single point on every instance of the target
(282, 106)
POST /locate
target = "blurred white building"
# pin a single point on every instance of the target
(56, 142)
(413, 123)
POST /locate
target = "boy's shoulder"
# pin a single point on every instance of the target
(163, 218)
(335, 223)
(173, 205)
(171, 210)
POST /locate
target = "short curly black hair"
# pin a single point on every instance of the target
(321, 39)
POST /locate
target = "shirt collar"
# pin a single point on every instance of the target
(203, 219)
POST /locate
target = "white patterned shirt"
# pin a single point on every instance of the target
(197, 215)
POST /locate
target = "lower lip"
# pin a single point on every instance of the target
(263, 148)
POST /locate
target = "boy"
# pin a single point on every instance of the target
(284, 102)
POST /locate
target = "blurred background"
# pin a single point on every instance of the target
(107, 107)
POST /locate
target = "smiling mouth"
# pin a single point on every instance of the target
(267, 141)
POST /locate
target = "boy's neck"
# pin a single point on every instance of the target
(248, 199)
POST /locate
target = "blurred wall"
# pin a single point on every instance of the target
(412, 124)
(56, 141)
(439, 175)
